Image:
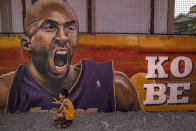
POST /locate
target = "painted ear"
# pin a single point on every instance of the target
(26, 43)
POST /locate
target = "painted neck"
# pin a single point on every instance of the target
(52, 86)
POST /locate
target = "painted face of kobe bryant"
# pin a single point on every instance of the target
(52, 29)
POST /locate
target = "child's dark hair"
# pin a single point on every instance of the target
(64, 92)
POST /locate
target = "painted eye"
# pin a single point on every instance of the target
(70, 28)
(49, 28)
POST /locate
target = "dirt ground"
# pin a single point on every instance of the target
(115, 121)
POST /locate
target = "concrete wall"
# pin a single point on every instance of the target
(111, 16)
(160, 18)
(122, 16)
(17, 22)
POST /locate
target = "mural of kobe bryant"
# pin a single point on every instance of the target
(51, 38)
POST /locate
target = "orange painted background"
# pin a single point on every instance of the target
(128, 53)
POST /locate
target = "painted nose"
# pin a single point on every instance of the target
(61, 38)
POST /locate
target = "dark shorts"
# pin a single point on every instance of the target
(67, 121)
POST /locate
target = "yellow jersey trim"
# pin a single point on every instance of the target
(76, 80)
(114, 85)
(5, 110)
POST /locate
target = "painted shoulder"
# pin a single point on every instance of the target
(126, 95)
(5, 85)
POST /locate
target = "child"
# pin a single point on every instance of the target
(66, 110)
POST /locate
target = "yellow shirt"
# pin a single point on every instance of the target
(69, 113)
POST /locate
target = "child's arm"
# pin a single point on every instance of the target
(61, 107)
(65, 103)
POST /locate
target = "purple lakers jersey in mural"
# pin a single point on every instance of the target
(93, 89)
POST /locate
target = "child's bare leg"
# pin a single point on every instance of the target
(58, 117)
(55, 118)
